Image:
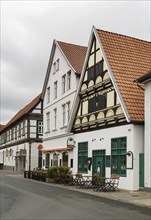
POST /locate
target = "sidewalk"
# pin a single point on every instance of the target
(139, 198)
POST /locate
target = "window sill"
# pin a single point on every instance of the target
(63, 127)
(47, 132)
(54, 130)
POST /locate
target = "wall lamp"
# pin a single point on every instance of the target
(130, 154)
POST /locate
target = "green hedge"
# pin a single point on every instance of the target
(53, 172)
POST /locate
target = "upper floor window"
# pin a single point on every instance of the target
(48, 94)
(12, 134)
(56, 66)
(19, 130)
(16, 132)
(64, 115)
(48, 121)
(68, 111)
(55, 118)
(40, 127)
(55, 89)
(9, 136)
(63, 83)
(69, 80)
(23, 128)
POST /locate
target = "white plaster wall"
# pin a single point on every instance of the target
(138, 147)
(147, 153)
(128, 131)
(61, 99)
(58, 143)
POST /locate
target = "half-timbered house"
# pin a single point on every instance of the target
(20, 137)
(108, 112)
(60, 86)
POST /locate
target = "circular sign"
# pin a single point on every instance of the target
(40, 146)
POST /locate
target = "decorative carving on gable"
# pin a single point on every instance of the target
(110, 113)
(84, 120)
(77, 121)
(92, 117)
(119, 111)
(91, 83)
(106, 76)
(98, 80)
(100, 115)
(83, 87)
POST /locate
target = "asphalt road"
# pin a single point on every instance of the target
(23, 199)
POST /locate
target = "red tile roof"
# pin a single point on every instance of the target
(129, 58)
(23, 111)
(1, 127)
(75, 54)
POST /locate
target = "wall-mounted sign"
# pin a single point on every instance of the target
(40, 147)
(70, 142)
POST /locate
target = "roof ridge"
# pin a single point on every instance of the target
(123, 35)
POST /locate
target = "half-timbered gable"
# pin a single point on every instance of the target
(99, 104)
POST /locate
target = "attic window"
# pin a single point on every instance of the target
(56, 66)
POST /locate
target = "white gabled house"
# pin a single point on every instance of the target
(107, 117)
(146, 79)
(60, 86)
(20, 137)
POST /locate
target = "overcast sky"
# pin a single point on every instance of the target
(29, 27)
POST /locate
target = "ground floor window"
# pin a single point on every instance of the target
(82, 157)
(118, 156)
(55, 160)
(47, 160)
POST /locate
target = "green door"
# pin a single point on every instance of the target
(141, 170)
(98, 159)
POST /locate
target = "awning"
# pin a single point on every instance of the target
(57, 150)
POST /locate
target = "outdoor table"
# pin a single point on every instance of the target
(108, 184)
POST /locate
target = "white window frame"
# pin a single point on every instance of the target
(57, 65)
(69, 80)
(55, 89)
(40, 127)
(48, 121)
(68, 111)
(64, 115)
(55, 118)
(64, 83)
(48, 94)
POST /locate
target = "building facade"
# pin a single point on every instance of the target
(60, 86)
(108, 116)
(20, 137)
(146, 79)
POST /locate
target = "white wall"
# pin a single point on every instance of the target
(147, 154)
(134, 136)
